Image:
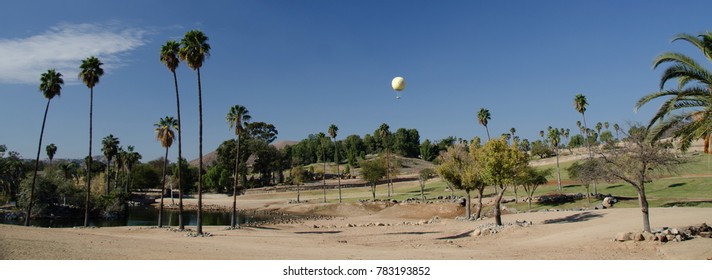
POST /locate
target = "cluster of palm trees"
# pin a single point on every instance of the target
(193, 49)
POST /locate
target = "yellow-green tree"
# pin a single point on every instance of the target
(499, 165)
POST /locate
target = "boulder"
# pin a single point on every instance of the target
(623, 236)
(638, 237)
(648, 236)
(477, 232)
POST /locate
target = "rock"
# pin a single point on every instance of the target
(665, 232)
(670, 237)
(638, 237)
(622, 236)
(477, 232)
(380, 224)
(674, 231)
(648, 236)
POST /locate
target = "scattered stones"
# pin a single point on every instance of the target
(623, 236)
(667, 234)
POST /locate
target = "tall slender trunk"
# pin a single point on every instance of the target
(323, 157)
(468, 209)
(199, 218)
(86, 201)
(488, 135)
(388, 171)
(707, 143)
(478, 210)
(233, 217)
(298, 194)
(181, 226)
(37, 167)
(590, 153)
(643, 202)
(373, 191)
(338, 169)
(108, 163)
(163, 189)
(558, 170)
(498, 205)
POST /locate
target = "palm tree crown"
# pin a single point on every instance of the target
(580, 103)
(110, 146)
(195, 49)
(165, 131)
(91, 71)
(238, 117)
(333, 129)
(51, 83)
(690, 104)
(169, 55)
(51, 150)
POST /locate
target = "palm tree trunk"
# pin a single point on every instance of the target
(199, 218)
(558, 170)
(298, 194)
(488, 135)
(323, 157)
(108, 163)
(707, 143)
(388, 172)
(163, 189)
(181, 226)
(585, 129)
(233, 218)
(37, 166)
(86, 202)
(338, 169)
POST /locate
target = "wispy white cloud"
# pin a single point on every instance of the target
(23, 60)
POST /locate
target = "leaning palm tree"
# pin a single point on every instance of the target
(333, 129)
(51, 151)
(110, 147)
(483, 117)
(90, 73)
(51, 86)
(169, 57)
(237, 117)
(164, 134)
(689, 107)
(194, 49)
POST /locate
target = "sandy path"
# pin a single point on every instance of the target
(553, 235)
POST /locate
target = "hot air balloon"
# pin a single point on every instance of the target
(398, 84)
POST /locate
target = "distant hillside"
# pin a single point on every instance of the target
(210, 157)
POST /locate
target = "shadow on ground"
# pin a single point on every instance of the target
(579, 217)
(319, 232)
(461, 235)
(413, 232)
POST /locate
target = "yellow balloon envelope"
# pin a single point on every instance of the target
(398, 83)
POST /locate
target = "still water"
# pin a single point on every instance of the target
(148, 216)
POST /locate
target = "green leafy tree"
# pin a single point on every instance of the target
(110, 147)
(238, 117)
(372, 171)
(427, 150)
(460, 170)
(423, 176)
(500, 164)
(165, 133)
(194, 50)
(12, 171)
(299, 176)
(169, 58)
(51, 151)
(586, 173)
(90, 73)
(51, 86)
(483, 117)
(530, 179)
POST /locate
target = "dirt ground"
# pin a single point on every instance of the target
(373, 231)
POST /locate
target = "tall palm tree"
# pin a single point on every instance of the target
(554, 139)
(169, 57)
(321, 136)
(606, 125)
(617, 128)
(580, 104)
(164, 134)
(90, 73)
(51, 86)
(512, 131)
(120, 160)
(110, 147)
(51, 151)
(599, 126)
(237, 117)
(333, 129)
(690, 103)
(385, 133)
(194, 49)
(483, 117)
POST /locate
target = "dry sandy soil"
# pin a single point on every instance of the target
(394, 233)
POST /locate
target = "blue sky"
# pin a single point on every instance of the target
(303, 65)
